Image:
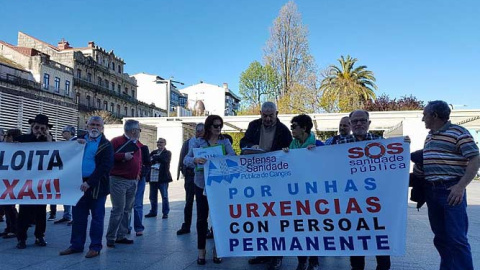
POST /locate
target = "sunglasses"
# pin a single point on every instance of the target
(217, 126)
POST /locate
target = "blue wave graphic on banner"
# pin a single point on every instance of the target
(227, 170)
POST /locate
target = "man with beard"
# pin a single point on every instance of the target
(343, 130)
(40, 132)
(96, 165)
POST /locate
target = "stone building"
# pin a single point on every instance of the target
(99, 81)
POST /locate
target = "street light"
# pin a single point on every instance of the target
(169, 85)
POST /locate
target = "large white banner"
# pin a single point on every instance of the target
(348, 199)
(41, 173)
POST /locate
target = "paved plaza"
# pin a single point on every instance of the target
(161, 248)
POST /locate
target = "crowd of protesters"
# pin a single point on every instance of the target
(122, 167)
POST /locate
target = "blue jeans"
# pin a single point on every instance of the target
(84, 207)
(449, 225)
(67, 212)
(163, 187)
(138, 207)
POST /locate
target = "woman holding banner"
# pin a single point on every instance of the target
(210, 145)
(303, 137)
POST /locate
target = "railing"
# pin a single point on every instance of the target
(9, 78)
(83, 83)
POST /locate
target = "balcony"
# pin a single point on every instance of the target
(103, 90)
(8, 78)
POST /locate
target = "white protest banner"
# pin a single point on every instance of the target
(41, 173)
(340, 200)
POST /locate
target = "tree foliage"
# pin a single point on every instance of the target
(257, 84)
(346, 87)
(287, 50)
(384, 103)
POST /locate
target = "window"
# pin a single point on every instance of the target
(118, 109)
(89, 77)
(133, 93)
(79, 73)
(126, 91)
(100, 81)
(119, 69)
(67, 88)
(133, 112)
(99, 102)
(57, 84)
(126, 111)
(112, 106)
(113, 86)
(77, 98)
(113, 66)
(46, 81)
(88, 102)
(105, 105)
(107, 84)
(119, 89)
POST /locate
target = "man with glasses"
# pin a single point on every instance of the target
(343, 130)
(189, 175)
(123, 182)
(360, 123)
(40, 132)
(159, 178)
(267, 134)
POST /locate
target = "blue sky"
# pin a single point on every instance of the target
(428, 48)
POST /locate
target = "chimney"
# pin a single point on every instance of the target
(63, 44)
(225, 86)
(91, 44)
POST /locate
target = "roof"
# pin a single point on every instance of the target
(10, 63)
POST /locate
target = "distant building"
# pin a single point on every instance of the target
(99, 81)
(152, 89)
(214, 99)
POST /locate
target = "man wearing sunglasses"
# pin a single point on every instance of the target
(40, 132)
(267, 134)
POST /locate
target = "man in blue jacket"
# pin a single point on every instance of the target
(96, 166)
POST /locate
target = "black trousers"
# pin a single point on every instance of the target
(202, 218)
(28, 212)
(189, 198)
(11, 216)
(358, 262)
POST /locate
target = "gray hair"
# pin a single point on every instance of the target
(200, 126)
(268, 105)
(440, 108)
(95, 118)
(131, 124)
(364, 111)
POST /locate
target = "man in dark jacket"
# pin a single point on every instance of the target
(160, 176)
(189, 186)
(40, 132)
(96, 166)
(267, 134)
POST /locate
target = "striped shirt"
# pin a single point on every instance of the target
(447, 151)
(351, 138)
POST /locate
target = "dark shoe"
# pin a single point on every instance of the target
(51, 217)
(313, 267)
(124, 241)
(110, 243)
(275, 264)
(216, 259)
(259, 260)
(61, 221)
(302, 266)
(210, 234)
(165, 216)
(150, 215)
(69, 251)
(21, 245)
(139, 233)
(9, 235)
(70, 223)
(201, 261)
(40, 242)
(3, 233)
(183, 231)
(92, 253)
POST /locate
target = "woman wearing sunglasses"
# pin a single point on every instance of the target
(211, 137)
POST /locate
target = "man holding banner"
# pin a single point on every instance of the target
(96, 165)
(360, 123)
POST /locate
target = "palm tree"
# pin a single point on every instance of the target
(347, 87)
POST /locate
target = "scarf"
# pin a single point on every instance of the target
(295, 144)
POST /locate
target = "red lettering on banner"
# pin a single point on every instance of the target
(353, 206)
(375, 206)
(239, 211)
(39, 189)
(285, 208)
(320, 210)
(252, 209)
(49, 189)
(269, 209)
(9, 189)
(337, 206)
(56, 185)
(26, 191)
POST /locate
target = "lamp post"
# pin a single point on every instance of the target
(169, 85)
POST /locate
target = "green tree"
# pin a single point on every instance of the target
(346, 87)
(257, 84)
(287, 50)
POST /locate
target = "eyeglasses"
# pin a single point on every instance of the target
(359, 121)
(137, 129)
(293, 126)
(39, 127)
(160, 142)
(217, 126)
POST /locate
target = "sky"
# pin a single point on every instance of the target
(429, 48)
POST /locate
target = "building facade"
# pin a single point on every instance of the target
(99, 81)
(215, 99)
